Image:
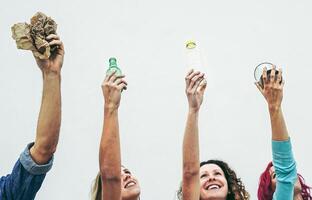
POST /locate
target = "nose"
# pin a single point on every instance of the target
(126, 177)
(211, 178)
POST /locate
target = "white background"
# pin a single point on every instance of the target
(148, 37)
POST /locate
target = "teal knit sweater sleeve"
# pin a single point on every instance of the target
(285, 169)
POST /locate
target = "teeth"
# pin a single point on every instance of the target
(130, 184)
(211, 187)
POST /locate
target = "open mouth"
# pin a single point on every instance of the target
(130, 184)
(213, 187)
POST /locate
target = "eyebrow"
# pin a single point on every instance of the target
(215, 170)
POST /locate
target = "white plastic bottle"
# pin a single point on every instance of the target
(193, 55)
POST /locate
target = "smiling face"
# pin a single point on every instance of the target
(297, 189)
(130, 187)
(213, 184)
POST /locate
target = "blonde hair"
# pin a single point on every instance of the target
(96, 191)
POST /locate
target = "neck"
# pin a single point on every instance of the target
(134, 198)
(298, 197)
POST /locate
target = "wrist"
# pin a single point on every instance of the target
(109, 107)
(274, 109)
(275, 112)
(51, 74)
(193, 110)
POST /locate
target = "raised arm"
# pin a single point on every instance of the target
(109, 156)
(194, 91)
(283, 159)
(273, 93)
(49, 121)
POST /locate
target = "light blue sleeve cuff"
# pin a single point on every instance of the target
(281, 146)
(30, 165)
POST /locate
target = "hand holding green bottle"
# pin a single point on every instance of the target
(114, 71)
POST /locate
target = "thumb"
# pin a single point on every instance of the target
(202, 86)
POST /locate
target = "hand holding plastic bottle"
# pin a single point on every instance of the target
(112, 87)
(272, 89)
(195, 88)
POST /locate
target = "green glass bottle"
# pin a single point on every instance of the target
(113, 67)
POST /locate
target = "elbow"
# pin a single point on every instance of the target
(190, 171)
(287, 175)
(46, 151)
(110, 174)
(187, 175)
(46, 146)
(110, 179)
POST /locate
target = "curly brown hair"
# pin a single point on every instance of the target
(236, 187)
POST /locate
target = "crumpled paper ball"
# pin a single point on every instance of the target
(33, 36)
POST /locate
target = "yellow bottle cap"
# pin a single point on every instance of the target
(190, 44)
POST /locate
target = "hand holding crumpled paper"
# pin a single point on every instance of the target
(33, 36)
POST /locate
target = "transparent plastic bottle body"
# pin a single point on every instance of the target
(259, 71)
(113, 67)
(194, 57)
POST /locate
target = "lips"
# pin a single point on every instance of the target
(130, 184)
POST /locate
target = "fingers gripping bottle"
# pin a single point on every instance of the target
(113, 67)
(259, 71)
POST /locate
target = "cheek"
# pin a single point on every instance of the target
(225, 185)
(298, 185)
(138, 184)
(202, 192)
(225, 188)
(122, 181)
(201, 185)
(136, 180)
(202, 182)
(273, 184)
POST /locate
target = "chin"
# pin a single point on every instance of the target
(129, 194)
(208, 196)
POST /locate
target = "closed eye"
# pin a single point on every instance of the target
(218, 173)
(203, 175)
(127, 171)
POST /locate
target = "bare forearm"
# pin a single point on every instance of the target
(278, 125)
(190, 185)
(49, 120)
(191, 145)
(109, 157)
